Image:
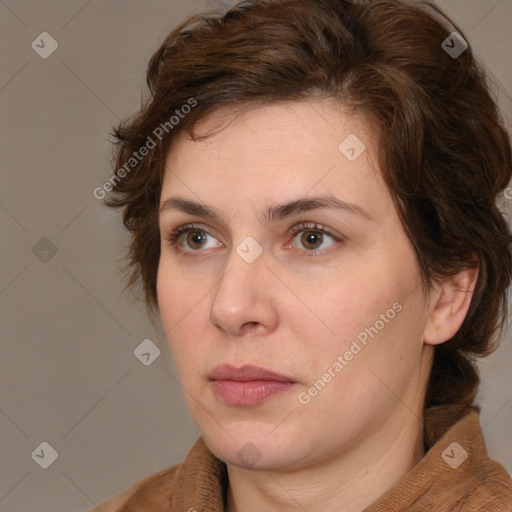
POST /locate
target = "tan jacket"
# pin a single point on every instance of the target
(456, 474)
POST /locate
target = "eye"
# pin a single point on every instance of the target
(312, 237)
(192, 238)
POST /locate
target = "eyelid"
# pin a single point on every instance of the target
(173, 236)
(314, 226)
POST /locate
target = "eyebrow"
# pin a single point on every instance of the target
(272, 214)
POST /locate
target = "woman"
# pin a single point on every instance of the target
(311, 193)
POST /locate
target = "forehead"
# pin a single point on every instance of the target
(280, 125)
(278, 150)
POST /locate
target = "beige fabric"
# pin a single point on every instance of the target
(435, 484)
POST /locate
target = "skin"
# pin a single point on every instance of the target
(294, 310)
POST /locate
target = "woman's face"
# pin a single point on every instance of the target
(288, 255)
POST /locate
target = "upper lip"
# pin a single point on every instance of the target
(246, 373)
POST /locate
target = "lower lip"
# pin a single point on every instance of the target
(253, 392)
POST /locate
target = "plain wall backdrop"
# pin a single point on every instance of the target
(68, 373)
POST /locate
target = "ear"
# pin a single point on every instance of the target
(451, 301)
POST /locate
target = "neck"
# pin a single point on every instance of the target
(349, 482)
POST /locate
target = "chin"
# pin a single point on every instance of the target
(253, 449)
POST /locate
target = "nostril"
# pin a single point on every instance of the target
(249, 327)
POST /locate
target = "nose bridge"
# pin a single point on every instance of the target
(241, 267)
(240, 296)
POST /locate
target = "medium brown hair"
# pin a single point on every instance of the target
(442, 147)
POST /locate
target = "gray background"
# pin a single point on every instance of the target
(68, 375)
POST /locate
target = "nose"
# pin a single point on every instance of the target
(244, 302)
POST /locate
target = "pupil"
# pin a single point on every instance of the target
(312, 239)
(196, 239)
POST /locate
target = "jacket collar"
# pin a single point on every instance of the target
(455, 474)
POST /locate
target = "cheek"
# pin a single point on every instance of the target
(179, 306)
(168, 291)
(350, 303)
(177, 294)
(184, 306)
(374, 304)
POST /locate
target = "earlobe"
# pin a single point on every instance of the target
(452, 300)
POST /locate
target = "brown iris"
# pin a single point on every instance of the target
(196, 239)
(312, 239)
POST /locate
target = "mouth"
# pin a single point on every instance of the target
(248, 385)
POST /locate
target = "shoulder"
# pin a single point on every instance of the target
(200, 479)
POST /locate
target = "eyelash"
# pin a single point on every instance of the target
(173, 237)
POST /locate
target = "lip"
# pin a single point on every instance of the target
(246, 373)
(248, 385)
